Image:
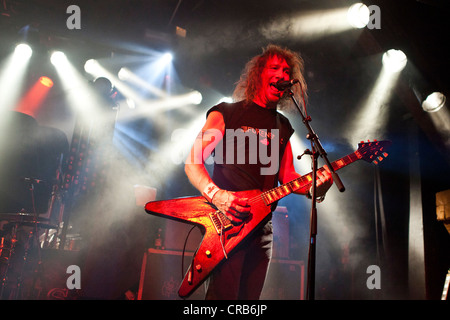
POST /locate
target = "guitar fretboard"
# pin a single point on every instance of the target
(304, 181)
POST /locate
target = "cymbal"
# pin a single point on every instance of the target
(26, 219)
(39, 224)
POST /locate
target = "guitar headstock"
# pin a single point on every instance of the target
(373, 151)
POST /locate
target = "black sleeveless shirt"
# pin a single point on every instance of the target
(249, 155)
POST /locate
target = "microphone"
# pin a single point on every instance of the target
(283, 85)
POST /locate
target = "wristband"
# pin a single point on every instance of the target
(210, 190)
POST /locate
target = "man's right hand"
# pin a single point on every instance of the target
(236, 208)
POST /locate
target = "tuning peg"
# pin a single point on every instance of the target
(375, 161)
(380, 158)
(385, 154)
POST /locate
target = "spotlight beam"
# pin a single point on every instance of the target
(97, 70)
(12, 73)
(369, 122)
(126, 75)
(153, 107)
(82, 99)
(309, 26)
(31, 102)
(441, 121)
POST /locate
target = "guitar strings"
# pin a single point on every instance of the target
(300, 179)
(222, 242)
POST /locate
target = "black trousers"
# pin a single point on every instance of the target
(242, 275)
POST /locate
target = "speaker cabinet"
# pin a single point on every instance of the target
(161, 276)
(285, 280)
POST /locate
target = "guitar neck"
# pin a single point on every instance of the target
(283, 190)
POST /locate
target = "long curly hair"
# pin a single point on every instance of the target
(250, 81)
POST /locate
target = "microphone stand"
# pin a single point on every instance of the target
(317, 150)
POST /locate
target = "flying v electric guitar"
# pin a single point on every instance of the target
(220, 236)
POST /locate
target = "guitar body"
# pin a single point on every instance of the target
(219, 239)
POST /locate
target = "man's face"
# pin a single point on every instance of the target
(276, 69)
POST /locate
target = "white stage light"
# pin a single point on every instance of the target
(434, 102)
(394, 60)
(91, 66)
(23, 51)
(358, 15)
(167, 57)
(123, 74)
(196, 97)
(57, 58)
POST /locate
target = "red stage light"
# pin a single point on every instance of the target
(46, 81)
(33, 99)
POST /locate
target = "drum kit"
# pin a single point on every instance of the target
(20, 247)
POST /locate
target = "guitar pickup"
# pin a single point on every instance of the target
(220, 221)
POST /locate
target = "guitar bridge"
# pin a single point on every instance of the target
(220, 221)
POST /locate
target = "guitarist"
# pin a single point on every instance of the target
(242, 164)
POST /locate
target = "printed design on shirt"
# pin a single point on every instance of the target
(264, 135)
(248, 145)
(239, 146)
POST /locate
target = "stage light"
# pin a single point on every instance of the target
(196, 97)
(46, 82)
(394, 60)
(434, 102)
(23, 51)
(358, 15)
(91, 66)
(96, 69)
(31, 102)
(363, 126)
(80, 94)
(156, 73)
(124, 74)
(167, 57)
(57, 58)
